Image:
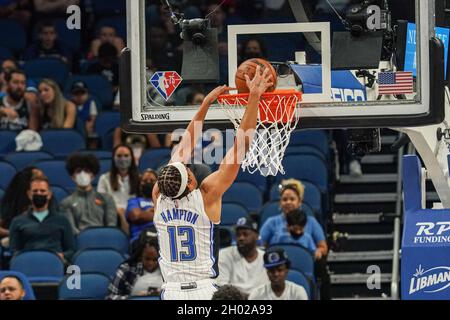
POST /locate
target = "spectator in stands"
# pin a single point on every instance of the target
(107, 64)
(48, 45)
(253, 48)
(277, 264)
(42, 227)
(17, 111)
(161, 52)
(11, 288)
(85, 207)
(57, 112)
(195, 98)
(7, 66)
(18, 10)
(122, 181)
(243, 266)
(107, 34)
(52, 8)
(15, 201)
(275, 228)
(228, 292)
(86, 107)
(296, 222)
(140, 275)
(140, 210)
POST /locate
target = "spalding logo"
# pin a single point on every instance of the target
(430, 281)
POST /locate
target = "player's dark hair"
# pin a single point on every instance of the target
(169, 182)
(82, 161)
(228, 292)
(296, 217)
(107, 50)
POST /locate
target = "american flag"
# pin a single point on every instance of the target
(395, 82)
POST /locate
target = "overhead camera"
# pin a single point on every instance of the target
(364, 141)
(368, 16)
(194, 30)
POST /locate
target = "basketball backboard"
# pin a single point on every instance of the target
(342, 75)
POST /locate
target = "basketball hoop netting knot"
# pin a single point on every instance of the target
(277, 119)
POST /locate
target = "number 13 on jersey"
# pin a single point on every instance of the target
(182, 243)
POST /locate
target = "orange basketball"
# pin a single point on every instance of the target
(249, 67)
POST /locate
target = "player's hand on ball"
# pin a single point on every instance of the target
(214, 94)
(260, 82)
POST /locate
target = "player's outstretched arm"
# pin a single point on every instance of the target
(183, 151)
(215, 185)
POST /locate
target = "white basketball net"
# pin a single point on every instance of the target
(277, 118)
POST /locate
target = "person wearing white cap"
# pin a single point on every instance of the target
(187, 213)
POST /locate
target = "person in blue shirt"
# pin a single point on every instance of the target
(296, 222)
(140, 210)
(292, 192)
(275, 229)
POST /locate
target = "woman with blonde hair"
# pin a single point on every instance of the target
(57, 112)
(275, 230)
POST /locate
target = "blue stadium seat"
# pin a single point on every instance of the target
(62, 142)
(152, 158)
(103, 238)
(93, 286)
(56, 172)
(299, 278)
(7, 173)
(51, 68)
(108, 140)
(306, 149)
(7, 142)
(98, 86)
(39, 266)
(105, 122)
(231, 212)
(5, 53)
(29, 293)
(306, 167)
(256, 179)
(105, 261)
(312, 195)
(317, 138)
(12, 35)
(272, 209)
(301, 258)
(245, 194)
(59, 193)
(99, 154)
(21, 160)
(118, 22)
(109, 7)
(2, 193)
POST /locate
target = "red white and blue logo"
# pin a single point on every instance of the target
(166, 82)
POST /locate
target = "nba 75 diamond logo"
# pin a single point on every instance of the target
(166, 82)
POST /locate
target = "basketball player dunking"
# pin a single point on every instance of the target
(185, 213)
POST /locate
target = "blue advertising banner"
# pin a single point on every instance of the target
(344, 85)
(425, 264)
(411, 46)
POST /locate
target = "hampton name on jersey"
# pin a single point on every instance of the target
(187, 239)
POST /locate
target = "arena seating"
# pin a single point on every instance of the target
(93, 286)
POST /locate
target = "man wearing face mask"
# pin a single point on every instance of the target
(86, 207)
(140, 210)
(42, 227)
(243, 265)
